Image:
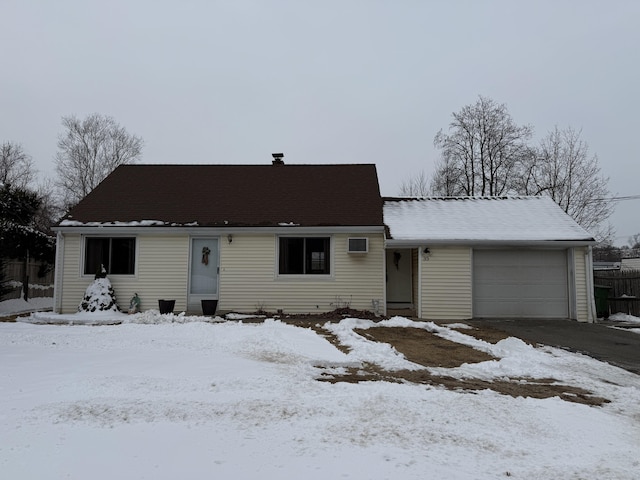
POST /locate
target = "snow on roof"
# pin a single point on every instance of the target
(499, 219)
(143, 223)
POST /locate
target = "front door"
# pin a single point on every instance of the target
(203, 272)
(399, 278)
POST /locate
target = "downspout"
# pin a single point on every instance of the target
(58, 275)
(591, 302)
(384, 278)
(419, 299)
(571, 284)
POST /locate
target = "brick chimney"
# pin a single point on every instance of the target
(277, 158)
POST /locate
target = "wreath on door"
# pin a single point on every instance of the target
(396, 259)
(205, 255)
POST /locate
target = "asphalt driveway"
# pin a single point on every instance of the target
(616, 346)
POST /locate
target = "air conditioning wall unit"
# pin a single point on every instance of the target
(358, 245)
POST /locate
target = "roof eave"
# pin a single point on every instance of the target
(207, 230)
(409, 243)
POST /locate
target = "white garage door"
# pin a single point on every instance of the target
(520, 284)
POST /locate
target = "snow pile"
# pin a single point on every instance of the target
(110, 317)
(154, 317)
(624, 317)
(627, 320)
(242, 316)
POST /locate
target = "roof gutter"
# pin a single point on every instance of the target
(415, 243)
(107, 229)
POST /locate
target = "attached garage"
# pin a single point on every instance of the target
(492, 257)
(519, 283)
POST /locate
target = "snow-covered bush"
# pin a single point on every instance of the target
(99, 297)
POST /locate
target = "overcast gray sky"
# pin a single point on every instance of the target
(325, 81)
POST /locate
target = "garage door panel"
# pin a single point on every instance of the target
(508, 309)
(520, 283)
(541, 310)
(506, 293)
(541, 291)
(544, 277)
(490, 292)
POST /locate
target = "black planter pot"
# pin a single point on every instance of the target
(166, 306)
(209, 307)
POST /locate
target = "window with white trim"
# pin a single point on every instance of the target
(304, 255)
(116, 254)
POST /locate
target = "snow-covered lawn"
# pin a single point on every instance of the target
(18, 305)
(167, 397)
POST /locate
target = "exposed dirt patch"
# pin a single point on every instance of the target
(425, 348)
(517, 387)
(429, 350)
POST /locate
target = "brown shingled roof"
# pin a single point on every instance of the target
(236, 195)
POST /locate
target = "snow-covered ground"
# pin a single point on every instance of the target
(171, 396)
(626, 319)
(18, 305)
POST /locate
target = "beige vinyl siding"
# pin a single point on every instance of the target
(581, 284)
(73, 286)
(446, 284)
(163, 267)
(249, 279)
(248, 275)
(161, 273)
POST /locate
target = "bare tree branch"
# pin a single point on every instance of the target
(564, 170)
(88, 151)
(482, 152)
(16, 167)
(485, 153)
(417, 186)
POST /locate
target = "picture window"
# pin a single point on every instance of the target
(116, 254)
(304, 256)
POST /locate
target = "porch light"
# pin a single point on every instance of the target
(229, 238)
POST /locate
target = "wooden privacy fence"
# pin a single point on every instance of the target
(40, 279)
(623, 284)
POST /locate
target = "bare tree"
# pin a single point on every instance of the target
(16, 167)
(88, 151)
(634, 241)
(445, 179)
(563, 169)
(482, 151)
(417, 186)
(50, 210)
